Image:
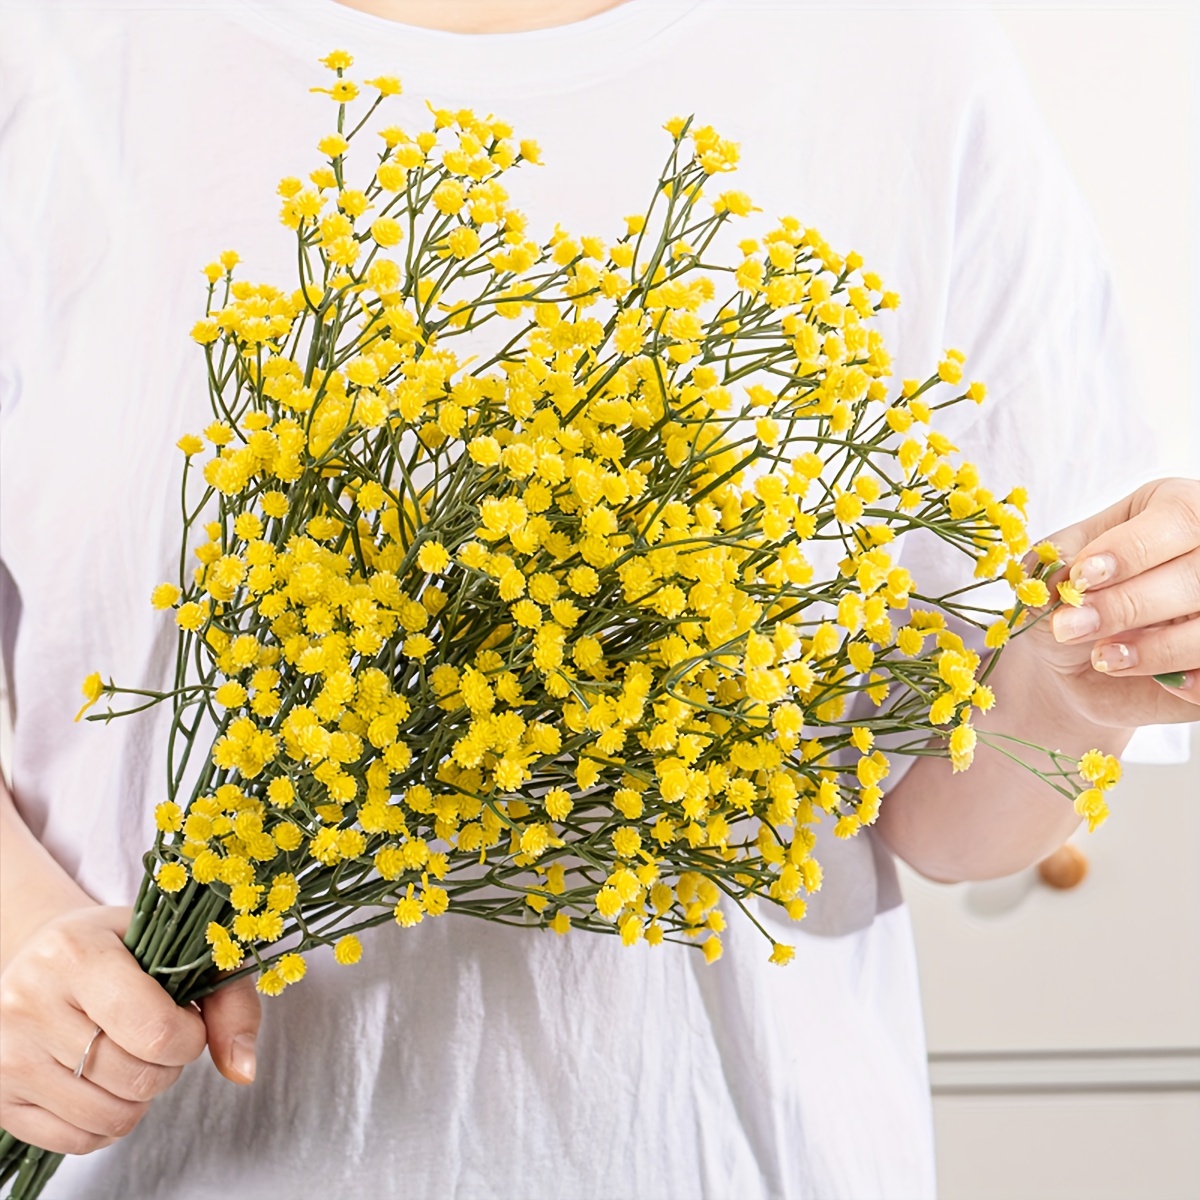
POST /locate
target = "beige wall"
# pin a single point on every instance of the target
(1119, 86)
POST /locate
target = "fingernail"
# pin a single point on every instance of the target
(241, 1055)
(1095, 570)
(1116, 656)
(1071, 623)
(1174, 679)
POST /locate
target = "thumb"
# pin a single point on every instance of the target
(232, 1015)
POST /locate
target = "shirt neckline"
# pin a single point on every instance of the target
(524, 63)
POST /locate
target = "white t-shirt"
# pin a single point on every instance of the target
(461, 1059)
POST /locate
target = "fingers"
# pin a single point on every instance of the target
(232, 1016)
(1162, 593)
(1154, 525)
(108, 1065)
(131, 1008)
(84, 1104)
(41, 1128)
(41, 1053)
(1171, 653)
(73, 975)
(1184, 684)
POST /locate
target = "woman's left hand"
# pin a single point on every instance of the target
(1140, 614)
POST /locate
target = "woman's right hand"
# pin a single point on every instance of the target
(70, 976)
(64, 971)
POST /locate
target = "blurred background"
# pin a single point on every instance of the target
(1064, 1024)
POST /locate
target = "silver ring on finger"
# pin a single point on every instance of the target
(78, 1072)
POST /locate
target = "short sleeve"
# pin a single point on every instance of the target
(1029, 299)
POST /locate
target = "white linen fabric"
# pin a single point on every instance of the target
(459, 1059)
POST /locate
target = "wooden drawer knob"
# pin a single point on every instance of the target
(1066, 868)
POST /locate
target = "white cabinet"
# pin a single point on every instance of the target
(1106, 1146)
(1064, 1026)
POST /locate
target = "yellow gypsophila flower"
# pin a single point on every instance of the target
(1072, 593)
(93, 689)
(347, 950)
(554, 616)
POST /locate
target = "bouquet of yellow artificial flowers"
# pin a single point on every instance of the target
(542, 635)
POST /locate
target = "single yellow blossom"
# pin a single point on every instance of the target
(1072, 593)
(93, 689)
(164, 595)
(333, 145)
(386, 85)
(171, 877)
(1033, 592)
(347, 950)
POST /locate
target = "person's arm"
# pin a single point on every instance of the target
(1068, 690)
(33, 887)
(996, 818)
(64, 973)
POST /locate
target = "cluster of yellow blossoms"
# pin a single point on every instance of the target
(591, 626)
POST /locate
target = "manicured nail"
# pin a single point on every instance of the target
(1116, 656)
(1174, 679)
(1094, 570)
(1072, 623)
(241, 1055)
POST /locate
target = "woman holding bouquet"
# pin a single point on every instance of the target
(462, 1058)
